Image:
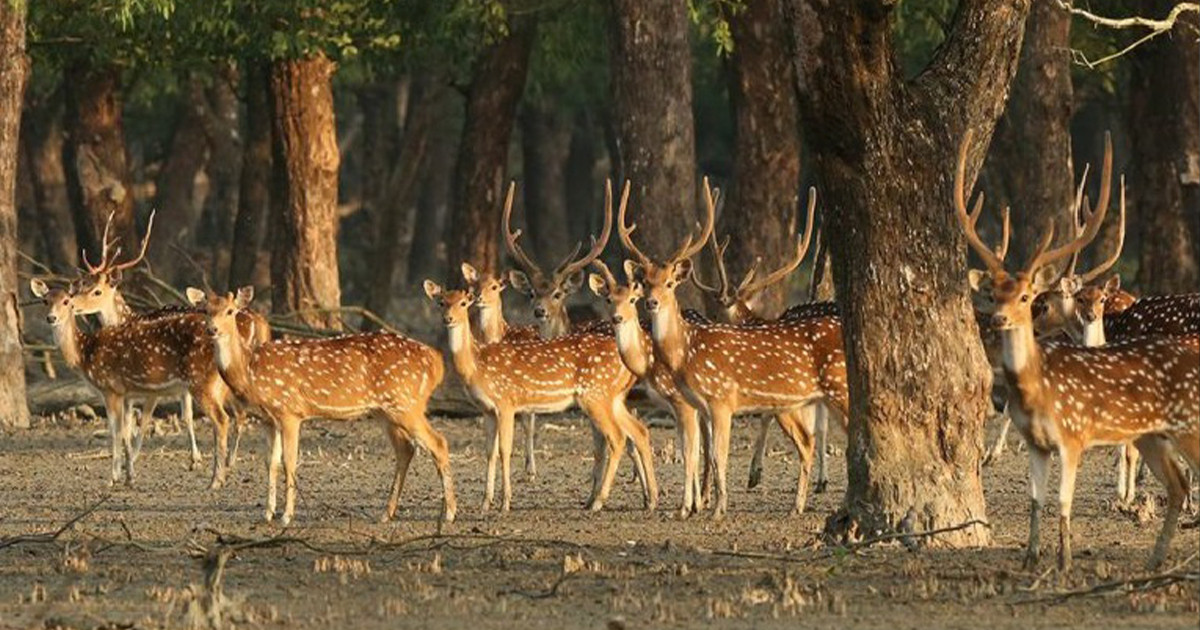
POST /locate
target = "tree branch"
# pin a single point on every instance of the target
(1157, 27)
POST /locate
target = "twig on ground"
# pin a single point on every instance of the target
(546, 594)
(52, 536)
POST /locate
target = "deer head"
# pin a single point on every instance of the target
(221, 312)
(455, 304)
(488, 288)
(97, 291)
(1013, 293)
(621, 298)
(59, 302)
(549, 292)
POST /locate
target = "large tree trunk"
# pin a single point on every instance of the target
(42, 145)
(884, 152)
(545, 144)
(304, 265)
(254, 191)
(1033, 138)
(94, 156)
(14, 412)
(580, 177)
(177, 214)
(398, 200)
(223, 133)
(433, 206)
(473, 231)
(1164, 115)
(762, 204)
(652, 96)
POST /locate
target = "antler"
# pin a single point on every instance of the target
(510, 236)
(108, 263)
(1044, 255)
(570, 266)
(1116, 254)
(605, 272)
(801, 249)
(104, 245)
(994, 263)
(625, 232)
(141, 254)
(693, 245)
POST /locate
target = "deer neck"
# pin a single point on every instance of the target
(233, 362)
(71, 342)
(632, 347)
(556, 325)
(1022, 358)
(1093, 333)
(462, 351)
(115, 312)
(670, 333)
(492, 326)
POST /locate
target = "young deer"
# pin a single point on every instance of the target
(740, 305)
(341, 378)
(780, 367)
(143, 359)
(510, 377)
(98, 293)
(1067, 398)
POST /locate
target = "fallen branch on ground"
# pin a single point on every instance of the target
(52, 536)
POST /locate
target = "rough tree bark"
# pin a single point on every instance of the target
(222, 131)
(473, 229)
(884, 151)
(94, 155)
(254, 190)
(652, 97)
(433, 205)
(1164, 112)
(583, 191)
(304, 265)
(1034, 135)
(545, 144)
(761, 208)
(14, 69)
(175, 188)
(42, 145)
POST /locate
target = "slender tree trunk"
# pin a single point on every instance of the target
(304, 265)
(545, 144)
(762, 206)
(42, 145)
(884, 151)
(399, 199)
(652, 97)
(1164, 112)
(177, 215)
(580, 176)
(473, 230)
(254, 190)
(1033, 138)
(94, 156)
(14, 69)
(433, 206)
(223, 133)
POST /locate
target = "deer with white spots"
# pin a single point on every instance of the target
(547, 375)
(99, 293)
(384, 375)
(740, 305)
(143, 359)
(1066, 398)
(778, 368)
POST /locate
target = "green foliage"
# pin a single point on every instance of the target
(920, 27)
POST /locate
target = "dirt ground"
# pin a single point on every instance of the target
(146, 557)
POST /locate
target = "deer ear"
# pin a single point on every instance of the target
(1043, 278)
(1071, 285)
(195, 296)
(1113, 284)
(683, 270)
(637, 289)
(572, 282)
(978, 279)
(38, 287)
(469, 273)
(520, 281)
(632, 270)
(598, 285)
(244, 296)
(432, 289)
(114, 277)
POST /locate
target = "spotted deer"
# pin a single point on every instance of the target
(740, 305)
(379, 374)
(98, 292)
(1066, 398)
(142, 359)
(778, 368)
(547, 375)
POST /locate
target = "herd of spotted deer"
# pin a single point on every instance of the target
(1127, 371)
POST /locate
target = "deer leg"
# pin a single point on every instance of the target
(721, 420)
(821, 426)
(1039, 470)
(291, 459)
(1159, 456)
(506, 443)
(760, 452)
(688, 425)
(187, 408)
(489, 492)
(404, 453)
(220, 423)
(614, 444)
(434, 442)
(274, 462)
(999, 445)
(239, 424)
(799, 426)
(642, 452)
(530, 430)
(143, 422)
(599, 458)
(706, 479)
(1131, 459)
(1069, 454)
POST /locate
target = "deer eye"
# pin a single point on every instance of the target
(96, 292)
(229, 312)
(1025, 297)
(463, 303)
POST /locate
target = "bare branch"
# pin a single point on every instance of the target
(1156, 27)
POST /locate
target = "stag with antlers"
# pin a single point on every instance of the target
(1065, 398)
